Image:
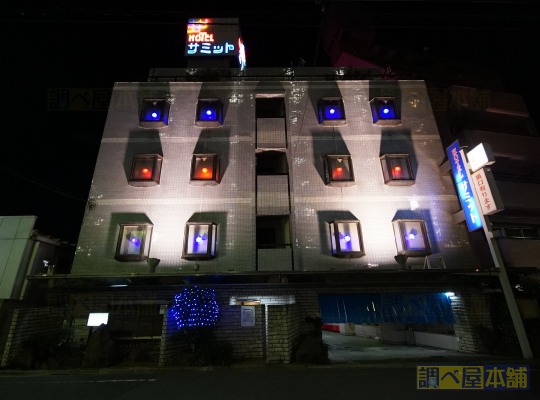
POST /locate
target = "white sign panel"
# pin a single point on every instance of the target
(480, 156)
(248, 316)
(96, 319)
(487, 192)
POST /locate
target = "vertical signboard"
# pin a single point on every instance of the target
(487, 192)
(247, 316)
(465, 190)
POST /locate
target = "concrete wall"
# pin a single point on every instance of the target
(232, 203)
(437, 340)
(15, 246)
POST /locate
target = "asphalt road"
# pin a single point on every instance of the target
(238, 384)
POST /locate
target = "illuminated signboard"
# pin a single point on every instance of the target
(465, 190)
(215, 37)
(486, 191)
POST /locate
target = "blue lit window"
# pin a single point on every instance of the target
(385, 111)
(209, 113)
(346, 239)
(331, 111)
(411, 237)
(154, 113)
(200, 241)
(133, 242)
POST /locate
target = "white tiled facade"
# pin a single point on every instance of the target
(232, 203)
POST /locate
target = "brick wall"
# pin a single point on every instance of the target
(283, 328)
(30, 321)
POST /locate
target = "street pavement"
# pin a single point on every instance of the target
(261, 383)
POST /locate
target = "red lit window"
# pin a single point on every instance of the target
(397, 170)
(339, 170)
(205, 169)
(146, 170)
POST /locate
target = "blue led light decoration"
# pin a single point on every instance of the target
(195, 307)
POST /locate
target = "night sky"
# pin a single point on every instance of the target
(49, 156)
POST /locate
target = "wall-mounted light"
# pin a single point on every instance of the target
(331, 111)
(133, 242)
(338, 170)
(411, 237)
(204, 170)
(346, 239)
(397, 170)
(200, 241)
(209, 113)
(146, 170)
(154, 113)
(384, 111)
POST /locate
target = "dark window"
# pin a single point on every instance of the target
(133, 242)
(385, 111)
(209, 113)
(331, 111)
(200, 241)
(346, 239)
(273, 232)
(271, 163)
(154, 113)
(338, 170)
(411, 237)
(204, 170)
(518, 233)
(273, 107)
(397, 170)
(146, 170)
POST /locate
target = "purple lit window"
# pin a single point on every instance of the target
(411, 237)
(133, 242)
(200, 241)
(346, 239)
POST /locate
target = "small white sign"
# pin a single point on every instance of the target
(96, 319)
(480, 156)
(248, 316)
(487, 192)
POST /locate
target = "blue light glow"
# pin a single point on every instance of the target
(332, 111)
(347, 238)
(199, 239)
(209, 112)
(386, 111)
(154, 115)
(450, 294)
(195, 307)
(135, 241)
(411, 236)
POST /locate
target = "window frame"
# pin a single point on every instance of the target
(156, 171)
(398, 224)
(219, 113)
(155, 124)
(216, 177)
(212, 230)
(397, 182)
(144, 252)
(328, 173)
(322, 116)
(334, 239)
(376, 114)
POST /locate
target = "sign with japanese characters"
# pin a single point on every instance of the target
(465, 191)
(487, 192)
(213, 37)
(473, 377)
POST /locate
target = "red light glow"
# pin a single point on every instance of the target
(397, 169)
(339, 169)
(205, 170)
(145, 170)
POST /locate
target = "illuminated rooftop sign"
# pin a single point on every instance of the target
(465, 190)
(215, 37)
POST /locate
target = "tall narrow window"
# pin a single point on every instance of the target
(397, 170)
(204, 170)
(209, 113)
(200, 241)
(338, 170)
(346, 239)
(385, 111)
(331, 111)
(411, 237)
(154, 113)
(133, 242)
(270, 107)
(146, 170)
